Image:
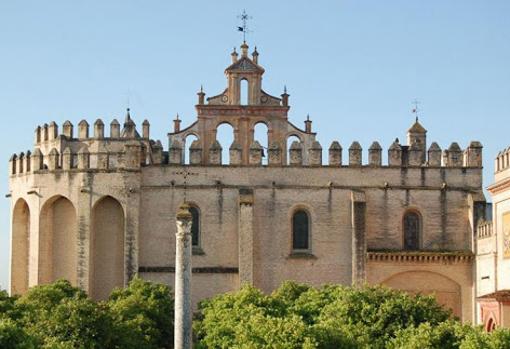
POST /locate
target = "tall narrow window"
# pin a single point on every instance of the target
(195, 226)
(411, 231)
(244, 92)
(300, 231)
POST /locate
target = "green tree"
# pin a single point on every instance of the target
(12, 336)
(142, 315)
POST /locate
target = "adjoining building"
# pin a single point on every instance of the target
(493, 252)
(98, 208)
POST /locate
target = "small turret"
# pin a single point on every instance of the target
(45, 132)
(175, 153)
(37, 160)
(454, 155)
(37, 137)
(474, 155)
(417, 137)
(67, 159)
(201, 96)
(308, 124)
(129, 130)
(285, 97)
(234, 55)
(177, 124)
(53, 160)
(255, 56)
(146, 129)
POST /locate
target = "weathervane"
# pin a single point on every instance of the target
(244, 17)
(415, 109)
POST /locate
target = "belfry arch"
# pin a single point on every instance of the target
(20, 247)
(107, 247)
(58, 241)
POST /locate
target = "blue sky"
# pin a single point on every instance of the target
(354, 66)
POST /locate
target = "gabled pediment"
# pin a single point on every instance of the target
(245, 64)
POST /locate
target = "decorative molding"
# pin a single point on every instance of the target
(421, 257)
(196, 270)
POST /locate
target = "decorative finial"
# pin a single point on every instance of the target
(244, 28)
(128, 115)
(201, 89)
(177, 116)
(285, 89)
(307, 117)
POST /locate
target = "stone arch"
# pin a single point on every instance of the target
(20, 244)
(446, 290)
(186, 143)
(107, 247)
(225, 134)
(289, 139)
(412, 224)
(58, 232)
(244, 91)
(491, 323)
(261, 134)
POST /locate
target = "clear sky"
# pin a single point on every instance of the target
(354, 66)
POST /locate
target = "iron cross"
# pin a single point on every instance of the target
(244, 18)
(415, 109)
(185, 174)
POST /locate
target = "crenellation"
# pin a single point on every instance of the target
(236, 153)
(175, 153)
(215, 153)
(83, 158)
(67, 129)
(13, 164)
(415, 154)
(296, 154)
(474, 155)
(375, 154)
(99, 129)
(502, 161)
(20, 162)
(37, 160)
(335, 154)
(53, 159)
(434, 155)
(52, 131)
(83, 129)
(274, 154)
(38, 137)
(395, 154)
(315, 154)
(28, 161)
(45, 133)
(454, 156)
(67, 159)
(114, 129)
(195, 152)
(355, 154)
(256, 153)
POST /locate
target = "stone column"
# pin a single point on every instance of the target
(246, 236)
(182, 321)
(359, 247)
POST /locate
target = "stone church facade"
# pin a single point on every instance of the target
(98, 207)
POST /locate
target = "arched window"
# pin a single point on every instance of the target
(243, 93)
(187, 144)
(225, 135)
(260, 134)
(195, 226)
(411, 231)
(300, 231)
(291, 139)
